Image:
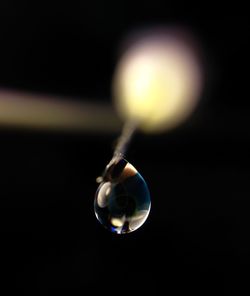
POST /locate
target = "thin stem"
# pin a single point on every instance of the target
(128, 130)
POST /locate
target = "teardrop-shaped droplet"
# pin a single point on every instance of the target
(122, 201)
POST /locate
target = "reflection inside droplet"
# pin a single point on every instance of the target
(122, 201)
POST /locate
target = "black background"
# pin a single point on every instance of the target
(197, 238)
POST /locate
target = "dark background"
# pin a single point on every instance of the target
(197, 238)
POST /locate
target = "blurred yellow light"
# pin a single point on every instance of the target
(157, 82)
(118, 222)
(45, 112)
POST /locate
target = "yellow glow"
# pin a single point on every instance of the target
(43, 112)
(157, 83)
(118, 222)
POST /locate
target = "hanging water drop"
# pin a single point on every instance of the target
(122, 201)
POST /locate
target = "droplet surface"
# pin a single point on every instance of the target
(122, 201)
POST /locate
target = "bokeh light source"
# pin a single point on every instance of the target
(158, 80)
(45, 112)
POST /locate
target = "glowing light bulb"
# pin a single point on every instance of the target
(157, 81)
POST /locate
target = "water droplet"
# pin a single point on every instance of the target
(122, 201)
